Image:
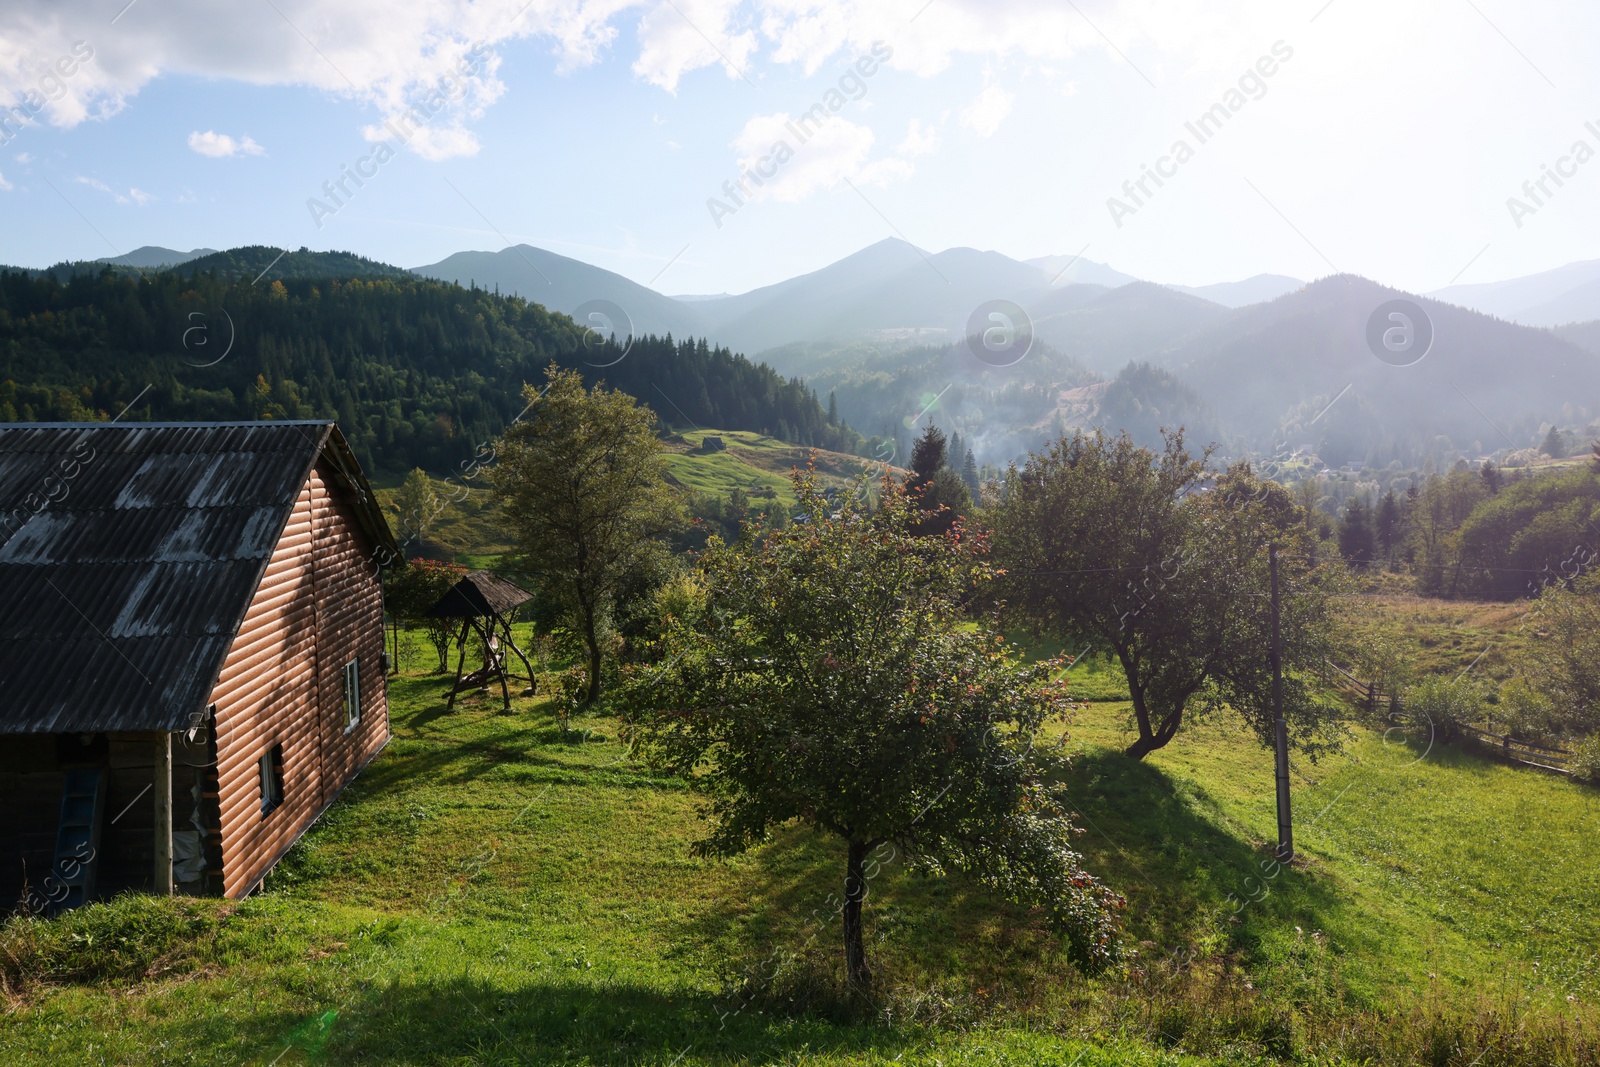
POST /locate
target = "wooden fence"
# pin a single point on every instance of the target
(1367, 696)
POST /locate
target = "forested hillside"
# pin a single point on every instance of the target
(418, 373)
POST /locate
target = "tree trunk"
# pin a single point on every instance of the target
(593, 642)
(855, 891)
(1150, 740)
(1141, 716)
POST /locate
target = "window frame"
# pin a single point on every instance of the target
(351, 674)
(269, 772)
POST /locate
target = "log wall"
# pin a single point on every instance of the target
(318, 606)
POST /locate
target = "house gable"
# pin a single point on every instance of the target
(281, 692)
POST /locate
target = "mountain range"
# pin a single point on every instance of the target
(1559, 297)
(891, 290)
(885, 328)
(1257, 363)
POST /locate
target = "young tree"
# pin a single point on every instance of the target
(1491, 477)
(1357, 542)
(582, 484)
(1107, 545)
(969, 474)
(409, 592)
(418, 504)
(1388, 523)
(1555, 443)
(832, 680)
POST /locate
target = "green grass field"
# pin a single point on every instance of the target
(468, 529)
(494, 890)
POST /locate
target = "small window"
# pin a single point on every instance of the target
(271, 779)
(352, 694)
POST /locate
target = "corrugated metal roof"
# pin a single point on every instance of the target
(129, 554)
(478, 594)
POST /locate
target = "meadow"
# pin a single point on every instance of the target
(498, 889)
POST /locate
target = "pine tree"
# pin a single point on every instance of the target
(1555, 443)
(1491, 477)
(969, 474)
(1356, 539)
(1389, 521)
(927, 455)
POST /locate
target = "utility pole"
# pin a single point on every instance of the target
(1285, 822)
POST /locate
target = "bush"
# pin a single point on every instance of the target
(1527, 713)
(1443, 707)
(1586, 761)
(567, 688)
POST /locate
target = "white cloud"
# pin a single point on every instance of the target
(810, 32)
(386, 55)
(685, 35)
(5, 186)
(432, 143)
(221, 146)
(920, 140)
(132, 196)
(836, 151)
(985, 114)
(24, 157)
(791, 168)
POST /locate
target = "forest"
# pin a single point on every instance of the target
(418, 373)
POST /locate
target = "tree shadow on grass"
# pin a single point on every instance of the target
(1181, 872)
(602, 1023)
(778, 940)
(1190, 882)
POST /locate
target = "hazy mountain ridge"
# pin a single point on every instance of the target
(565, 285)
(250, 262)
(886, 329)
(1486, 384)
(1568, 294)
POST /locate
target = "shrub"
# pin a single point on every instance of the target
(1586, 761)
(567, 688)
(1443, 707)
(1527, 713)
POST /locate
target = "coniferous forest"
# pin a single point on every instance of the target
(417, 372)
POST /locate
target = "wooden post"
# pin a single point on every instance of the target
(511, 643)
(163, 830)
(1285, 820)
(461, 665)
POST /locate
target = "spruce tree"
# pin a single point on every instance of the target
(1356, 540)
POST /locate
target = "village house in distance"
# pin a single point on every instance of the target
(191, 651)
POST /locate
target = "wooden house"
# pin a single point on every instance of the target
(191, 651)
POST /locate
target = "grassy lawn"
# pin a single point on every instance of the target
(493, 890)
(753, 462)
(469, 530)
(1447, 637)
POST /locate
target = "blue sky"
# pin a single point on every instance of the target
(1388, 143)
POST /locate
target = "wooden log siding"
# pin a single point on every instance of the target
(318, 606)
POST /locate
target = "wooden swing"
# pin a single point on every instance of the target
(483, 603)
